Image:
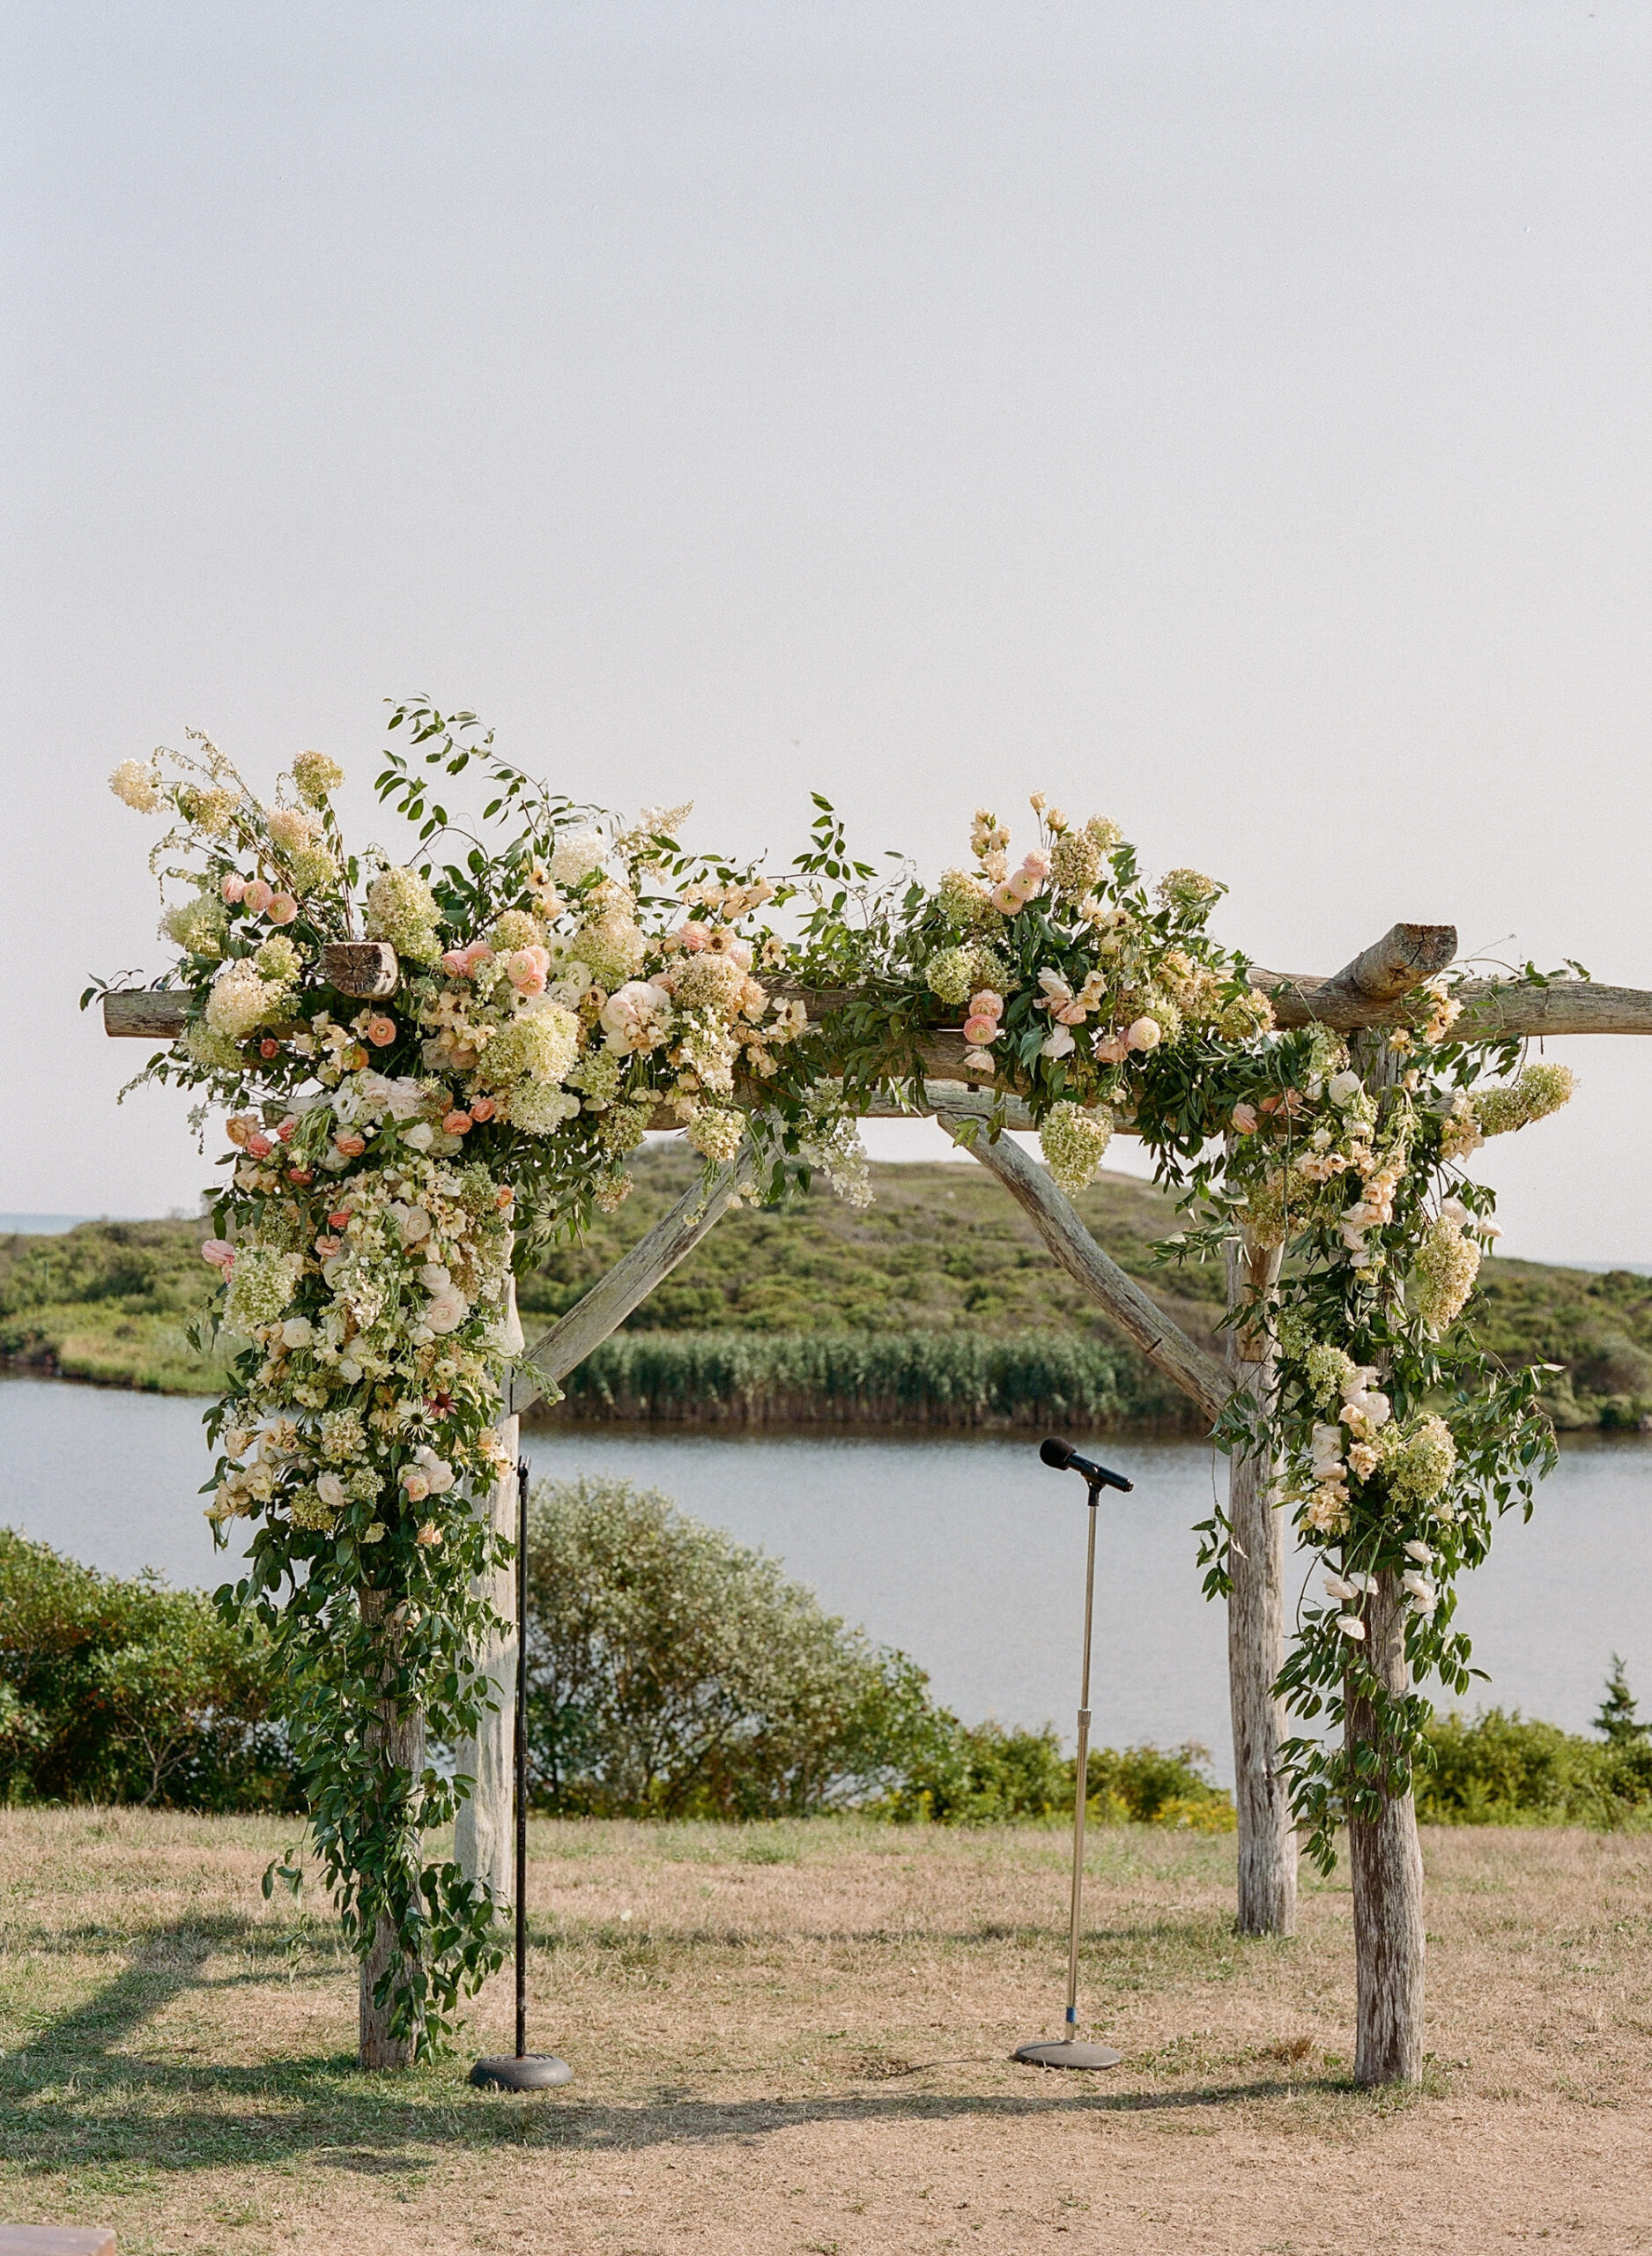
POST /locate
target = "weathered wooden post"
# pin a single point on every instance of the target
(1256, 1626)
(1385, 1861)
(396, 1737)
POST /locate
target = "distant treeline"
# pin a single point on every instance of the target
(927, 1378)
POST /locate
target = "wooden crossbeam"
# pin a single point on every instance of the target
(1368, 992)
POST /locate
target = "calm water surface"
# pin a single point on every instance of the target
(968, 1553)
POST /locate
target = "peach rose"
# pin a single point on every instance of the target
(259, 1147)
(258, 895)
(484, 1109)
(351, 1145)
(455, 1124)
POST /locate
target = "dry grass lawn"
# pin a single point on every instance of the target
(795, 2038)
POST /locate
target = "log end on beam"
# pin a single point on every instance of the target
(1400, 960)
(365, 969)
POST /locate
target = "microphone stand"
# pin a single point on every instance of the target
(1068, 2053)
(522, 2070)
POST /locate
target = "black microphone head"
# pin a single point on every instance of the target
(1059, 1454)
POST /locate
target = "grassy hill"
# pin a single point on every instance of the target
(936, 1303)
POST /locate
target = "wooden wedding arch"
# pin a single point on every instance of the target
(1366, 996)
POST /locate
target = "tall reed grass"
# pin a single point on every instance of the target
(849, 1377)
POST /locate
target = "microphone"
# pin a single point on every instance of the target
(1065, 1458)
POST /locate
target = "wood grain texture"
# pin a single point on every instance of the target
(1386, 1864)
(1057, 1221)
(364, 968)
(1256, 1630)
(401, 1738)
(144, 1013)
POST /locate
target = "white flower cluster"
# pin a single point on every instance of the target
(1074, 1143)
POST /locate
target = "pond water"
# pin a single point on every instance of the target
(966, 1552)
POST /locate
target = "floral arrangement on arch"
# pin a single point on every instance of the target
(554, 994)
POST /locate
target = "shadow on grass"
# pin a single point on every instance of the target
(75, 2095)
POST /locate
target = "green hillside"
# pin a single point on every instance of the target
(937, 1302)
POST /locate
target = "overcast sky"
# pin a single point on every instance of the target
(1230, 418)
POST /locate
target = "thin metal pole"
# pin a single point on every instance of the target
(522, 1752)
(1081, 1779)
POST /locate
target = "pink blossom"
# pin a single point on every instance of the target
(455, 1124)
(258, 895)
(986, 1004)
(351, 1145)
(1113, 1051)
(233, 888)
(1245, 1119)
(457, 963)
(982, 1062)
(1035, 862)
(1008, 898)
(417, 1483)
(484, 1109)
(218, 1251)
(288, 1128)
(282, 908)
(259, 1147)
(693, 937)
(526, 969)
(980, 1029)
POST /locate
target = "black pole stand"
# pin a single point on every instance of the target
(525, 2071)
(1068, 2053)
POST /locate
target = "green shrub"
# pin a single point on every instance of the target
(674, 1674)
(122, 1691)
(981, 1774)
(1505, 1769)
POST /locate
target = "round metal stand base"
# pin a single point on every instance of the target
(534, 2071)
(1067, 2053)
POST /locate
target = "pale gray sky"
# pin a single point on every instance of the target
(1229, 417)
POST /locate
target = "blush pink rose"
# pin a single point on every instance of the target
(218, 1251)
(258, 895)
(282, 908)
(233, 888)
(981, 1030)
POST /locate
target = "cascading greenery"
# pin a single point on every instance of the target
(565, 983)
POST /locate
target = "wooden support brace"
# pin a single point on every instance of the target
(1057, 1221)
(623, 1288)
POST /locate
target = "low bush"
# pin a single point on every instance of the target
(671, 1672)
(981, 1774)
(1505, 1769)
(122, 1691)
